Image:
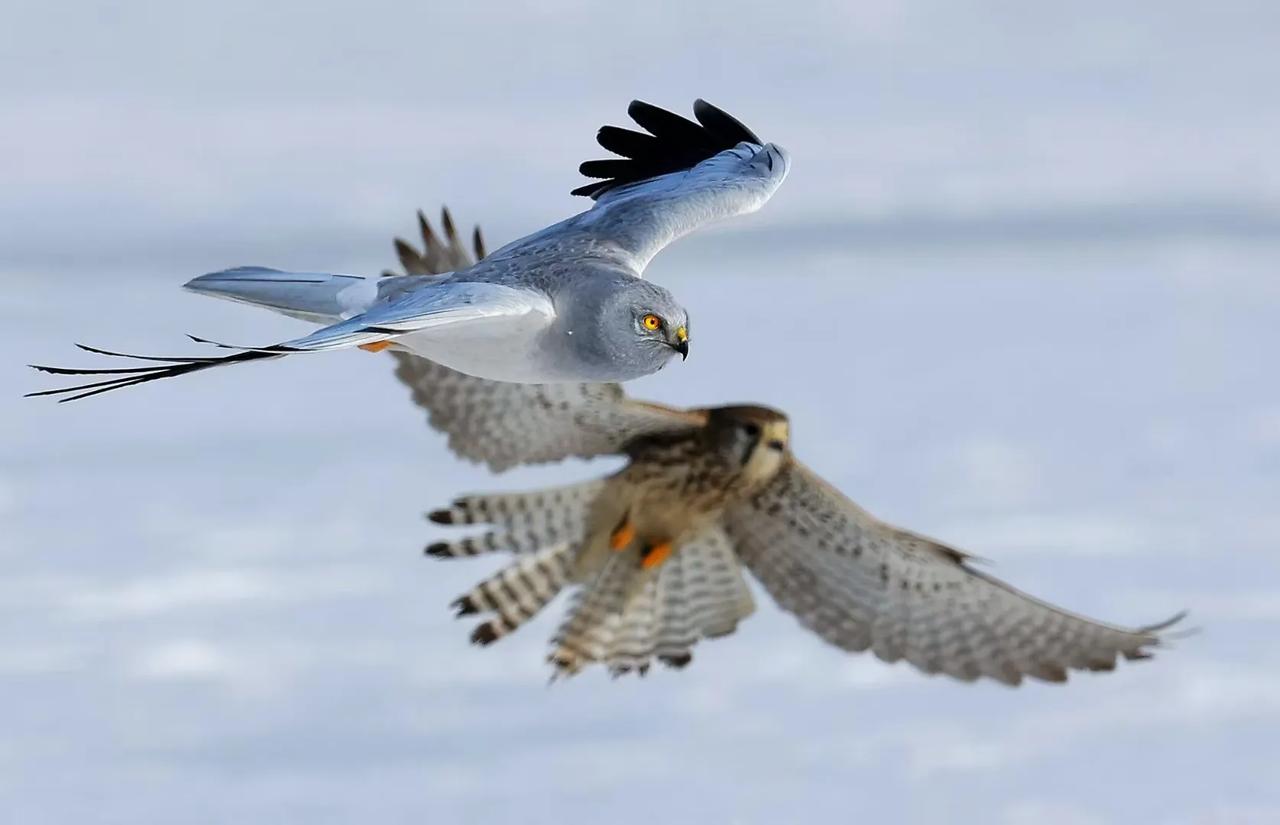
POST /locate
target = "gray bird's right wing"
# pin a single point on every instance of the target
(671, 179)
(502, 424)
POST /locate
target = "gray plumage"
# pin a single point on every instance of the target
(565, 304)
(502, 424)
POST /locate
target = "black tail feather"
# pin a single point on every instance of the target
(97, 351)
(128, 377)
(275, 348)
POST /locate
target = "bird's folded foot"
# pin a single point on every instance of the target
(376, 346)
(656, 554)
(623, 534)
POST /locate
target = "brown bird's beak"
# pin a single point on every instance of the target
(682, 343)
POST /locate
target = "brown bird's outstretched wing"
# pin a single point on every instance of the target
(501, 424)
(862, 584)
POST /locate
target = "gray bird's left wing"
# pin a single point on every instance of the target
(501, 424)
(862, 584)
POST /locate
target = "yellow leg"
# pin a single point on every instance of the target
(376, 346)
(656, 555)
(623, 534)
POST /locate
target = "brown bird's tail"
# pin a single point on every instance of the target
(622, 615)
(625, 616)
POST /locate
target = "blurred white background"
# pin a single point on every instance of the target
(1019, 292)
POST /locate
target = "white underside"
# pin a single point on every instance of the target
(498, 349)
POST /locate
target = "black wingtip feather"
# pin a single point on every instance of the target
(672, 143)
(671, 127)
(723, 124)
(625, 142)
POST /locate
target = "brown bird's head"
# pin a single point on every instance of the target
(757, 439)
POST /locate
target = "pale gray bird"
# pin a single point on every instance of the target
(655, 554)
(566, 304)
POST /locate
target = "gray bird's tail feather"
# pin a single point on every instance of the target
(622, 615)
(311, 296)
(320, 297)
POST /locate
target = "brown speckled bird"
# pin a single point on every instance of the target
(655, 553)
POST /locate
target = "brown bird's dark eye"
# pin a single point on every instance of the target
(752, 430)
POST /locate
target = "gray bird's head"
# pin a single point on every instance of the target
(622, 327)
(757, 439)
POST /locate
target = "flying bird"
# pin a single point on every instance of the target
(565, 304)
(656, 555)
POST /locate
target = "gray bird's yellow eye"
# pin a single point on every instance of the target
(651, 322)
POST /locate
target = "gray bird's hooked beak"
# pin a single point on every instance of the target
(682, 343)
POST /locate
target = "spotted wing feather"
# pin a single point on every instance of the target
(502, 425)
(862, 584)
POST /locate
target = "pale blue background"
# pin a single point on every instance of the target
(1021, 292)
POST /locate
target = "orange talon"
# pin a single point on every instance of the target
(656, 555)
(622, 535)
(376, 346)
